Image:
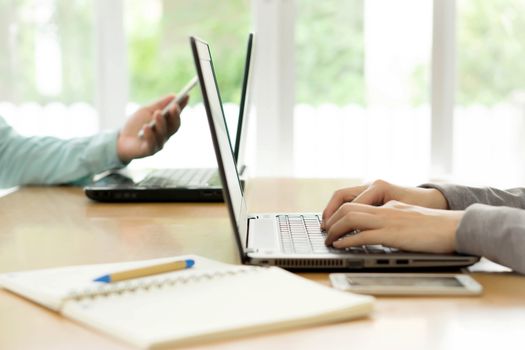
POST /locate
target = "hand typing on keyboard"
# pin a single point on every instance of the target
(381, 192)
(391, 223)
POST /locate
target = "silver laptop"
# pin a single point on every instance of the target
(289, 240)
(172, 184)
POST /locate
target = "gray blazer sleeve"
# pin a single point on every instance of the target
(494, 228)
(497, 233)
(461, 197)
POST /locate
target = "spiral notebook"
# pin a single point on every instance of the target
(210, 301)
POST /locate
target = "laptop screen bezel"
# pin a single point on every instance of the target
(239, 220)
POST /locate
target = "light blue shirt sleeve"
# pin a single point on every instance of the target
(49, 160)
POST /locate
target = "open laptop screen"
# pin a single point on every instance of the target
(244, 106)
(227, 168)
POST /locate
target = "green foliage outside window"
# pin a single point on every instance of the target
(330, 52)
(329, 49)
(490, 50)
(160, 59)
(71, 23)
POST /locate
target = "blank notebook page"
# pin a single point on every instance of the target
(214, 305)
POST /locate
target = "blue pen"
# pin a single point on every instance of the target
(146, 271)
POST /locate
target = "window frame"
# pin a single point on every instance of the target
(112, 81)
(443, 86)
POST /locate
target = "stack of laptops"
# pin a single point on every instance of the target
(292, 241)
(172, 184)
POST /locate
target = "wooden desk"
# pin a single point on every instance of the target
(46, 227)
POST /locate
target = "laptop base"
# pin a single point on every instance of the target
(366, 263)
(119, 195)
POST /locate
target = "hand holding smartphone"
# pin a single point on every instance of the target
(180, 96)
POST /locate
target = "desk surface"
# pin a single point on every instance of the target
(47, 227)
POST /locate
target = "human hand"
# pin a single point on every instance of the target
(381, 192)
(130, 145)
(396, 225)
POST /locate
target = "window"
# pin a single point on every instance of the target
(160, 61)
(490, 95)
(47, 66)
(158, 45)
(362, 104)
(65, 74)
(343, 88)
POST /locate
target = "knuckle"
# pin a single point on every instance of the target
(396, 204)
(392, 203)
(337, 194)
(380, 184)
(346, 207)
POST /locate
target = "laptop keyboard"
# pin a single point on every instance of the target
(166, 178)
(302, 234)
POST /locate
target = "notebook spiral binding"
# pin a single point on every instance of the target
(158, 282)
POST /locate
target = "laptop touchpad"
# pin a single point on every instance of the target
(263, 235)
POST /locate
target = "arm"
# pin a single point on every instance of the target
(434, 196)
(461, 197)
(49, 160)
(497, 233)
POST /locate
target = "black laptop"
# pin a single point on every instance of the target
(172, 184)
(291, 240)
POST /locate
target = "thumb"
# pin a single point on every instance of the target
(161, 103)
(184, 101)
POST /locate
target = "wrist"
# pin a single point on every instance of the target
(438, 200)
(435, 196)
(454, 219)
(122, 155)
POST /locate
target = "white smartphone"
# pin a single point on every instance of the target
(406, 283)
(182, 94)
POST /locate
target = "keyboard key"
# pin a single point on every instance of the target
(302, 234)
